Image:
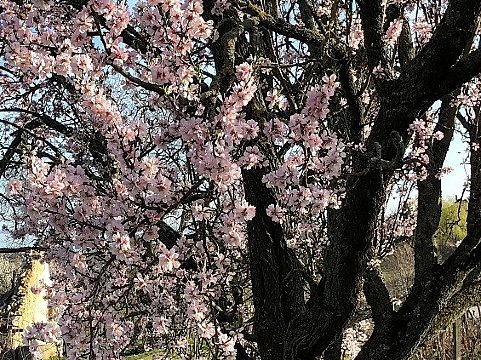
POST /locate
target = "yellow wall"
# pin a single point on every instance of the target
(34, 306)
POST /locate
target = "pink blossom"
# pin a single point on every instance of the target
(356, 36)
(14, 187)
(243, 72)
(200, 212)
(220, 6)
(245, 211)
(80, 261)
(394, 30)
(151, 233)
(276, 213)
(168, 260)
(438, 135)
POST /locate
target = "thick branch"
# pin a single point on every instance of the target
(266, 248)
(423, 81)
(429, 196)
(351, 229)
(371, 12)
(469, 295)
(353, 100)
(405, 45)
(282, 27)
(377, 296)
(427, 70)
(463, 71)
(402, 101)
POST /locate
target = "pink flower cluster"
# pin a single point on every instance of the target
(393, 32)
(356, 35)
(307, 181)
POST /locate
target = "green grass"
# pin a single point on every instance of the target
(144, 356)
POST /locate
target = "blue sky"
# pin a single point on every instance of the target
(453, 183)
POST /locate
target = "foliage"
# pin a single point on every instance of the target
(212, 178)
(452, 225)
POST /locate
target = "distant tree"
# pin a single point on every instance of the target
(452, 227)
(210, 178)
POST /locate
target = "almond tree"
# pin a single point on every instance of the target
(210, 178)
